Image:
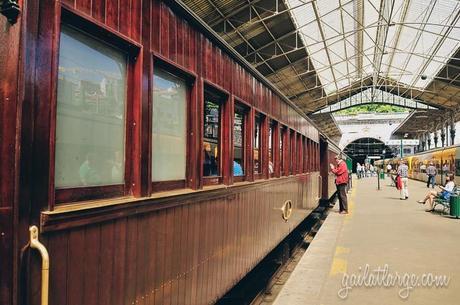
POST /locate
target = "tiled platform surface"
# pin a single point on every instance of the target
(380, 231)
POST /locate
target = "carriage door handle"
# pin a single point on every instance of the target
(320, 187)
(36, 244)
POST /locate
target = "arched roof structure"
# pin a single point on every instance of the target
(320, 52)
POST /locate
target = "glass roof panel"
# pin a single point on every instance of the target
(418, 38)
(372, 95)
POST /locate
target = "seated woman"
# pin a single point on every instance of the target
(443, 194)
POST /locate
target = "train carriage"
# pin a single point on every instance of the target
(444, 157)
(154, 164)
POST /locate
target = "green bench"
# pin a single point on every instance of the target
(445, 204)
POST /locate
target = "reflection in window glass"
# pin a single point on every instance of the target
(282, 136)
(169, 120)
(211, 137)
(257, 145)
(238, 144)
(291, 154)
(271, 166)
(90, 120)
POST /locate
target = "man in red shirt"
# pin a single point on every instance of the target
(341, 181)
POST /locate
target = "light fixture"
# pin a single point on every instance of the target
(10, 9)
(423, 77)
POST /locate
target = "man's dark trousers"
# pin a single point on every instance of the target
(341, 192)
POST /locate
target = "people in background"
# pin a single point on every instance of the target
(444, 193)
(358, 170)
(423, 168)
(237, 169)
(372, 170)
(341, 180)
(431, 172)
(210, 163)
(117, 170)
(88, 172)
(445, 170)
(389, 168)
(403, 171)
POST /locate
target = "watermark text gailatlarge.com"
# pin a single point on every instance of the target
(382, 277)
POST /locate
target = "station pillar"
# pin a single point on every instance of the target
(452, 134)
(435, 138)
(443, 136)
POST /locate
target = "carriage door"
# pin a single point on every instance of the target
(324, 170)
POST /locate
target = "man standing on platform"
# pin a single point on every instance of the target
(431, 171)
(341, 181)
(403, 171)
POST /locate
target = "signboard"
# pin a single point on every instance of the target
(413, 142)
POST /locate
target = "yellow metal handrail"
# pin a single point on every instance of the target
(36, 244)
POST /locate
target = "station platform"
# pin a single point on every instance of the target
(384, 233)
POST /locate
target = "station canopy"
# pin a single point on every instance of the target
(320, 52)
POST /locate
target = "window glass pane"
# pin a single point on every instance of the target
(282, 135)
(271, 166)
(238, 144)
(211, 137)
(257, 146)
(169, 141)
(90, 120)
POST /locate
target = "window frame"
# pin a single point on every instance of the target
(284, 150)
(292, 152)
(223, 142)
(262, 143)
(273, 126)
(245, 111)
(190, 79)
(299, 154)
(131, 50)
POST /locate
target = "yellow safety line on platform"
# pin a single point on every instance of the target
(341, 250)
(339, 264)
(351, 205)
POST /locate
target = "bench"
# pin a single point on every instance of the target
(443, 202)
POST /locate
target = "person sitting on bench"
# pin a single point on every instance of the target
(444, 194)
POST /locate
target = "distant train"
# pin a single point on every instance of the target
(446, 160)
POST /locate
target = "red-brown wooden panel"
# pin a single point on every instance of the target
(112, 13)
(59, 268)
(91, 278)
(70, 3)
(84, 6)
(98, 10)
(107, 263)
(76, 267)
(160, 235)
(119, 252)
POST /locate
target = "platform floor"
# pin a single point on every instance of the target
(380, 230)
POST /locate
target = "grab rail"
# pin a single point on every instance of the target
(36, 244)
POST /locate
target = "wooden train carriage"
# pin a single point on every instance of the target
(158, 166)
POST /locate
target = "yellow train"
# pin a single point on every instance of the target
(446, 160)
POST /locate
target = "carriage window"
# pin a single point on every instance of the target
(90, 119)
(169, 120)
(271, 163)
(292, 151)
(238, 142)
(212, 119)
(257, 145)
(282, 141)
